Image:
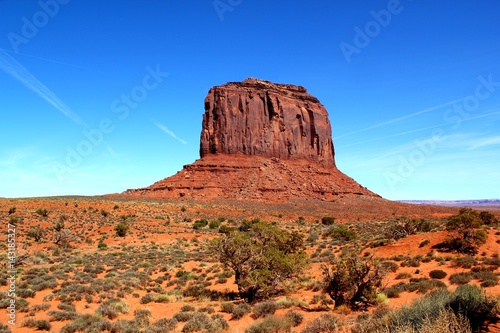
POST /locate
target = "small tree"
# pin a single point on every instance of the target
(121, 229)
(353, 281)
(467, 238)
(262, 257)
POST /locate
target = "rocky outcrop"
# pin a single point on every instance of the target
(257, 117)
(244, 177)
(262, 141)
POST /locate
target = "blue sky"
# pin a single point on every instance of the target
(102, 96)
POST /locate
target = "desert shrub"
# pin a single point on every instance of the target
(465, 310)
(148, 298)
(101, 245)
(163, 325)
(187, 308)
(200, 224)
(403, 275)
(464, 262)
(66, 307)
(25, 293)
(142, 313)
(490, 278)
(394, 291)
(472, 302)
(121, 229)
(62, 315)
(42, 212)
(421, 285)
(328, 220)
(111, 308)
(201, 322)
(142, 317)
(488, 283)
(200, 291)
(446, 322)
(40, 307)
(183, 316)
(488, 218)
(325, 323)
(264, 308)
(421, 310)
(40, 325)
(198, 322)
(390, 266)
(296, 318)
(411, 262)
(460, 278)
(59, 225)
(36, 233)
(437, 274)
(88, 324)
(224, 229)
(12, 210)
(481, 237)
(424, 242)
(494, 262)
(352, 280)
(125, 326)
(286, 302)
(404, 227)
(262, 257)
(207, 309)
(227, 307)
(270, 324)
(240, 310)
(214, 224)
(342, 233)
(218, 323)
(5, 328)
(424, 285)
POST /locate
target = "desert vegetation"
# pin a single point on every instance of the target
(105, 265)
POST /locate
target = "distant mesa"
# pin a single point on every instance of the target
(260, 140)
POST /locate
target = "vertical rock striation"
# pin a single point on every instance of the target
(257, 117)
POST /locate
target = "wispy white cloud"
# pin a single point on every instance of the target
(398, 119)
(21, 74)
(169, 132)
(485, 142)
(442, 125)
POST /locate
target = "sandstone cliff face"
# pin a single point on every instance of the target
(261, 141)
(257, 117)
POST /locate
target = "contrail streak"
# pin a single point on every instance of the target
(395, 120)
(169, 132)
(416, 130)
(21, 74)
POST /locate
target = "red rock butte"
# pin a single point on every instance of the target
(261, 140)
